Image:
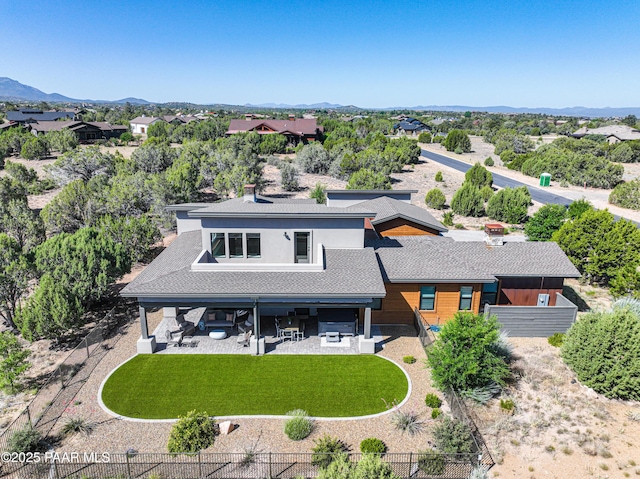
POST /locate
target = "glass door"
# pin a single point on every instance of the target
(302, 247)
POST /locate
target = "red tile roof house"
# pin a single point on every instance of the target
(365, 258)
(296, 130)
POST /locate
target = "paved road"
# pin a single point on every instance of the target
(537, 194)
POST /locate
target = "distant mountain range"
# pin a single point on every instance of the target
(12, 90)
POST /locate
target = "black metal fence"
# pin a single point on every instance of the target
(423, 328)
(237, 466)
(460, 411)
(47, 406)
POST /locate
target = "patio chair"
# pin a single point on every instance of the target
(171, 339)
(245, 338)
(189, 341)
(299, 335)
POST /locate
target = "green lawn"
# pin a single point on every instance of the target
(167, 386)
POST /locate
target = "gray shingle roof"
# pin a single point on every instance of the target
(277, 206)
(622, 132)
(428, 258)
(349, 273)
(388, 209)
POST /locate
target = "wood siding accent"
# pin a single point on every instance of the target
(402, 298)
(402, 227)
(525, 291)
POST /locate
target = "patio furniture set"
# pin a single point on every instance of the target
(290, 327)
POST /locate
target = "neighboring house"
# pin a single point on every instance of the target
(411, 127)
(614, 133)
(368, 252)
(25, 115)
(296, 130)
(140, 124)
(85, 131)
(10, 124)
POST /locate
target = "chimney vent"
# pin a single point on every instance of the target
(494, 234)
(292, 117)
(250, 193)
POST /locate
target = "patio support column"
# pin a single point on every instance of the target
(146, 344)
(367, 322)
(257, 342)
(144, 326)
(367, 344)
(256, 319)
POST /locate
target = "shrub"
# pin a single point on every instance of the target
(313, 158)
(453, 437)
(433, 401)
(409, 359)
(603, 350)
(464, 356)
(467, 201)
(447, 218)
(424, 137)
(510, 205)
(289, 177)
(431, 463)
(479, 473)
(439, 177)
(373, 445)
(76, 425)
(326, 450)
(546, 221)
(489, 161)
(577, 207)
(299, 426)
(478, 176)
(457, 140)
(436, 413)
(408, 421)
(26, 439)
(367, 179)
(458, 226)
(556, 339)
(507, 404)
(340, 468)
(458, 151)
(486, 192)
(192, 433)
(435, 199)
(626, 195)
(481, 394)
(318, 193)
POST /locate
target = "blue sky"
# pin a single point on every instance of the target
(551, 53)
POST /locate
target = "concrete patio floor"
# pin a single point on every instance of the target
(311, 344)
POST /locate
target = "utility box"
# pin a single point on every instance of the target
(543, 300)
(545, 179)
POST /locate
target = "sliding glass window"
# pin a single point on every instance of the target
(235, 245)
(218, 249)
(253, 245)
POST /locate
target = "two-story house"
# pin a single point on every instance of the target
(370, 253)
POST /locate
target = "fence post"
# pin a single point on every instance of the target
(29, 416)
(61, 377)
(410, 464)
(55, 470)
(86, 345)
(128, 466)
(200, 464)
(270, 475)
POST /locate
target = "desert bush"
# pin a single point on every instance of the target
(489, 161)
(438, 177)
(26, 439)
(436, 413)
(577, 207)
(486, 192)
(409, 359)
(313, 158)
(431, 463)
(373, 445)
(407, 421)
(192, 433)
(479, 473)
(457, 140)
(467, 201)
(447, 218)
(556, 339)
(510, 205)
(318, 193)
(626, 195)
(478, 176)
(435, 199)
(507, 404)
(453, 437)
(424, 137)
(326, 450)
(299, 426)
(603, 349)
(289, 177)
(433, 401)
(544, 222)
(76, 425)
(481, 394)
(464, 356)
